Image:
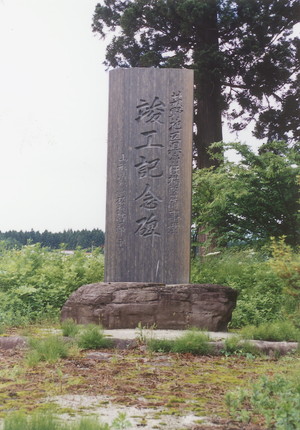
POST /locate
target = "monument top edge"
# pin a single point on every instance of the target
(118, 69)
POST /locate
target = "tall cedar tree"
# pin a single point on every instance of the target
(242, 51)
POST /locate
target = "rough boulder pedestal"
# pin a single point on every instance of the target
(119, 305)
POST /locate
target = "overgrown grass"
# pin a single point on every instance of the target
(192, 341)
(49, 349)
(273, 331)
(69, 327)
(276, 400)
(92, 337)
(38, 421)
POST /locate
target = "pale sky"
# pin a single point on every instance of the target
(53, 116)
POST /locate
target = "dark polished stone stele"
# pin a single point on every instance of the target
(120, 305)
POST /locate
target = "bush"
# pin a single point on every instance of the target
(286, 265)
(35, 282)
(275, 331)
(260, 289)
(276, 400)
(92, 337)
(193, 341)
(236, 346)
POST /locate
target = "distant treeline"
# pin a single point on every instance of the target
(69, 239)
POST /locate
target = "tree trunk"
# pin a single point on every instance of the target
(208, 115)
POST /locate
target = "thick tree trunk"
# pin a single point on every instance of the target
(208, 119)
(208, 122)
(208, 111)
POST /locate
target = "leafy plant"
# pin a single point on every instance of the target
(35, 282)
(93, 337)
(286, 264)
(273, 331)
(236, 346)
(276, 400)
(247, 270)
(121, 422)
(251, 200)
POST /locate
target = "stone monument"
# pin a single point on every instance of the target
(148, 212)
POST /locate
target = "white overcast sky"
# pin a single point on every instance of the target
(53, 116)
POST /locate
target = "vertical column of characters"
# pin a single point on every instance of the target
(174, 159)
(121, 204)
(150, 116)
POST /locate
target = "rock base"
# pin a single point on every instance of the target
(120, 305)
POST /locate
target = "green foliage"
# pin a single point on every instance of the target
(160, 345)
(235, 346)
(251, 200)
(286, 265)
(192, 341)
(92, 337)
(241, 51)
(68, 239)
(276, 400)
(121, 422)
(274, 331)
(38, 421)
(49, 349)
(260, 297)
(19, 421)
(69, 327)
(35, 282)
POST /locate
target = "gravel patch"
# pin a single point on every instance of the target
(158, 334)
(106, 411)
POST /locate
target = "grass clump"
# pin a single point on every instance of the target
(93, 337)
(272, 331)
(69, 327)
(276, 400)
(49, 349)
(192, 341)
(38, 421)
(160, 345)
(236, 346)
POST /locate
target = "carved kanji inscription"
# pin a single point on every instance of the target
(149, 175)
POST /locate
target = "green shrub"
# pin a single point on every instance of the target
(286, 265)
(236, 346)
(248, 271)
(69, 327)
(49, 349)
(192, 341)
(92, 337)
(274, 331)
(35, 282)
(276, 400)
